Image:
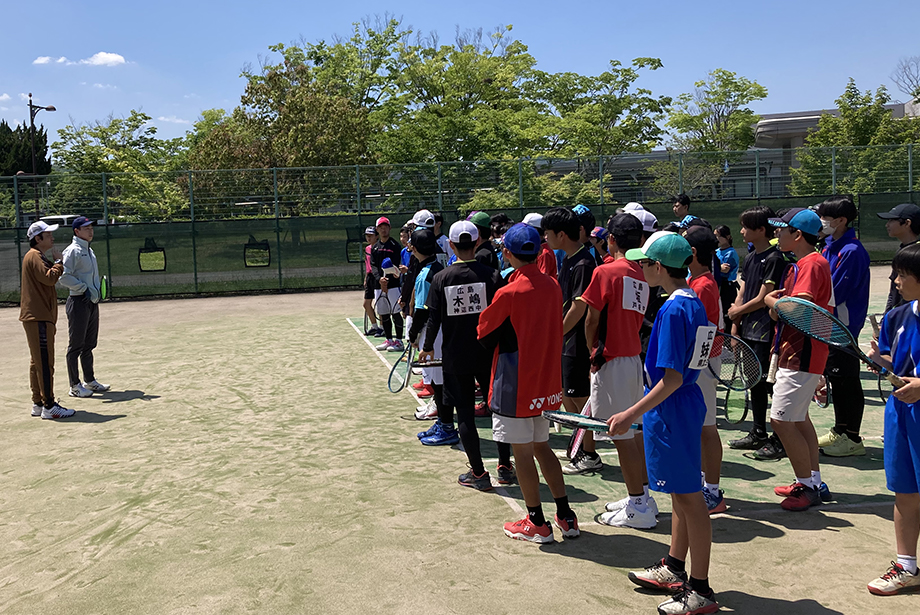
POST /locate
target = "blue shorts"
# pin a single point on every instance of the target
(672, 432)
(902, 446)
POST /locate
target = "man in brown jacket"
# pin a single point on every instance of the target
(38, 313)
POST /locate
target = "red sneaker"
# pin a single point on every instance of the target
(526, 530)
(569, 526)
(801, 498)
(426, 391)
(481, 410)
(418, 386)
(784, 491)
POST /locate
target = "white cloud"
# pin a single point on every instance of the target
(104, 58)
(105, 86)
(24, 97)
(192, 95)
(42, 60)
(4, 97)
(172, 119)
(62, 60)
(4, 108)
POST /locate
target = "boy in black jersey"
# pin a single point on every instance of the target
(562, 233)
(387, 247)
(761, 274)
(457, 296)
(485, 252)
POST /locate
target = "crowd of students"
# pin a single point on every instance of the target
(556, 312)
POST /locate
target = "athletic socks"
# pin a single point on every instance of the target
(808, 482)
(712, 488)
(677, 565)
(908, 563)
(645, 490)
(700, 586)
(639, 501)
(536, 515)
(816, 478)
(563, 510)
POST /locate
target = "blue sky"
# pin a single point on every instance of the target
(174, 59)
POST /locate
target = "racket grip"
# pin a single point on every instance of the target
(774, 365)
(894, 380)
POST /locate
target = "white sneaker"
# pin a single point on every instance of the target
(582, 464)
(385, 345)
(427, 412)
(417, 371)
(630, 516)
(78, 390)
(37, 409)
(96, 386)
(621, 504)
(56, 412)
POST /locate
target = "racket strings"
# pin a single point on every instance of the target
(740, 367)
(818, 324)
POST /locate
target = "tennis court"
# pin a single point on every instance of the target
(251, 460)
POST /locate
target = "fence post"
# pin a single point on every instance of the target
(108, 238)
(440, 192)
(18, 225)
(600, 177)
(521, 187)
(277, 225)
(358, 187)
(910, 167)
(191, 208)
(834, 170)
(680, 172)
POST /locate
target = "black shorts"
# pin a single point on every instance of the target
(576, 376)
(459, 390)
(763, 352)
(370, 285)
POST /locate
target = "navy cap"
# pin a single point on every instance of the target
(904, 211)
(522, 239)
(81, 221)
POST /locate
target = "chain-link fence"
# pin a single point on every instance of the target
(274, 229)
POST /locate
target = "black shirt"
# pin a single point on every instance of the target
(486, 255)
(760, 268)
(574, 278)
(381, 250)
(458, 294)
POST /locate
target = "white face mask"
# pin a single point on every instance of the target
(827, 227)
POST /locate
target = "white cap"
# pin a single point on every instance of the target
(633, 206)
(41, 227)
(535, 220)
(647, 218)
(457, 229)
(423, 218)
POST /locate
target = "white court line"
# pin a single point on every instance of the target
(499, 490)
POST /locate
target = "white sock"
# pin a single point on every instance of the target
(808, 482)
(639, 501)
(645, 491)
(702, 479)
(712, 488)
(816, 477)
(908, 563)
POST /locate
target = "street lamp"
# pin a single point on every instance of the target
(33, 111)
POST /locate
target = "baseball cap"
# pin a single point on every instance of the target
(423, 218)
(625, 224)
(464, 227)
(580, 210)
(40, 227)
(481, 219)
(633, 206)
(687, 221)
(389, 268)
(800, 219)
(382, 220)
(701, 238)
(371, 230)
(522, 239)
(669, 249)
(904, 211)
(535, 220)
(599, 232)
(423, 240)
(81, 221)
(647, 218)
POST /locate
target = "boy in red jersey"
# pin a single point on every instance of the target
(703, 283)
(546, 260)
(801, 359)
(524, 326)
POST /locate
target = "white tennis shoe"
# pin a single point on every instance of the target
(621, 504)
(630, 516)
(78, 390)
(57, 412)
(96, 387)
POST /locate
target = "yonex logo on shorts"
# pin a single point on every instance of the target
(537, 403)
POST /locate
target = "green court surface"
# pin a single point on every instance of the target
(250, 459)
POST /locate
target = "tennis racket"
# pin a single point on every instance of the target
(428, 363)
(573, 421)
(367, 323)
(819, 324)
(823, 401)
(774, 356)
(733, 410)
(103, 288)
(884, 387)
(578, 436)
(740, 368)
(382, 304)
(401, 370)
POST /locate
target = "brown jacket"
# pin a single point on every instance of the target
(38, 300)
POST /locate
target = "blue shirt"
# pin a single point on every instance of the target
(404, 257)
(729, 256)
(423, 284)
(678, 339)
(900, 337)
(849, 263)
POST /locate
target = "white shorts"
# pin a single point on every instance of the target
(792, 395)
(512, 430)
(381, 307)
(616, 387)
(433, 374)
(707, 383)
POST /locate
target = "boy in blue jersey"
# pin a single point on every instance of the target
(899, 342)
(674, 411)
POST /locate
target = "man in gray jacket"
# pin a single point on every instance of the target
(81, 277)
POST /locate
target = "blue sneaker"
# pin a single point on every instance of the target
(824, 493)
(443, 436)
(430, 431)
(715, 502)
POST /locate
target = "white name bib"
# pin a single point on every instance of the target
(702, 347)
(635, 295)
(466, 299)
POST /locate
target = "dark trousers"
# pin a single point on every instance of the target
(83, 327)
(762, 389)
(40, 336)
(842, 373)
(460, 394)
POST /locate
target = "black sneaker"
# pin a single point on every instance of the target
(506, 475)
(482, 482)
(771, 451)
(750, 442)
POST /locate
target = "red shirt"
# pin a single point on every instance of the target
(524, 325)
(707, 290)
(621, 313)
(608, 259)
(546, 261)
(812, 275)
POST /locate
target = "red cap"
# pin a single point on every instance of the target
(382, 220)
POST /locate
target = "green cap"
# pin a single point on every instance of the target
(481, 219)
(669, 249)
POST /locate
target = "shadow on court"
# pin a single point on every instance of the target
(111, 397)
(82, 416)
(618, 550)
(739, 602)
(874, 459)
(731, 469)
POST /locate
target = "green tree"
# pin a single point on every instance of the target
(715, 116)
(16, 150)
